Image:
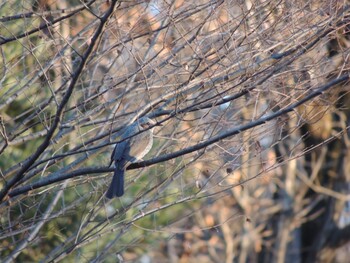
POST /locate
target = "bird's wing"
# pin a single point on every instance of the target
(129, 150)
(119, 151)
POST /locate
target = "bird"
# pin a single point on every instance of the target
(134, 144)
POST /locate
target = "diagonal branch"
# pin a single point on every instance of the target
(27, 164)
(166, 157)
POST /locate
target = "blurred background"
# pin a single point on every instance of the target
(252, 163)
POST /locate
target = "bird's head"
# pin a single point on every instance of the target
(146, 123)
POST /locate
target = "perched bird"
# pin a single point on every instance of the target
(132, 147)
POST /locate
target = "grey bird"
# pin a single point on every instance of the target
(132, 147)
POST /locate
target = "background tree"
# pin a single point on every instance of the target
(251, 163)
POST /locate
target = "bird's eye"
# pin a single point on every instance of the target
(145, 125)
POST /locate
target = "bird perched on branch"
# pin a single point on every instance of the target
(135, 143)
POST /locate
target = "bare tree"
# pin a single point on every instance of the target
(251, 163)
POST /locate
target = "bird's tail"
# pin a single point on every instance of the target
(117, 185)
